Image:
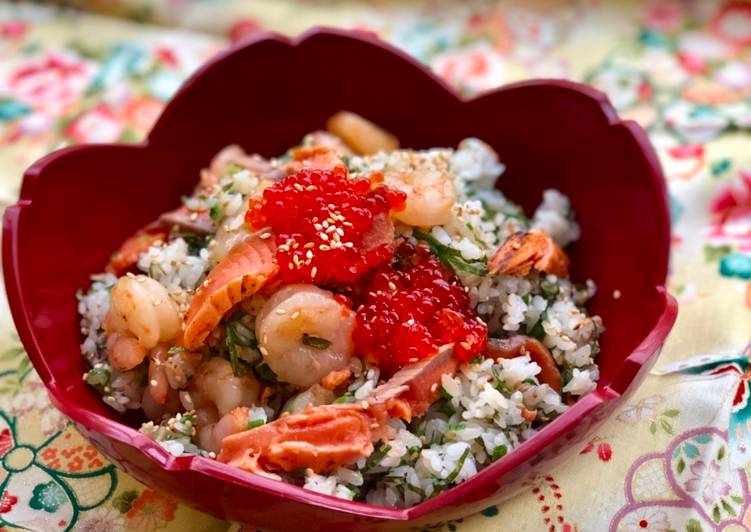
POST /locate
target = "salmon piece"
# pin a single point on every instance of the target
(321, 438)
(381, 233)
(418, 385)
(235, 155)
(124, 259)
(524, 345)
(248, 266)
(362, 135)
(336, 378)
(524, 252)
(316, 157)
(199, 222)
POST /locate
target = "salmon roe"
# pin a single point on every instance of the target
(325, 225)
(412, 306)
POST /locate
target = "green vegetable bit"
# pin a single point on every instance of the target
(451, 257)
(459, 466)
(377, 457)
(315, 342)
(98, 377)
(499, 452)
(255, 423)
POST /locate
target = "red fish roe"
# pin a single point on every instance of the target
(412, 307)
(324, 224)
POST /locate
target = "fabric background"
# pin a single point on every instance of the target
(674, 458)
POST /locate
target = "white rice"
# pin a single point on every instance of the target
(487, 408)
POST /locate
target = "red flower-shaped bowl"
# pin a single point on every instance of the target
(78, 204)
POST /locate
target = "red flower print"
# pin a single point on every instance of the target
(13, 29)
(604, 452)
(733, 23)
(242, 28)
(151, 511)
(53, 82)
(6, 441)
(7, 501)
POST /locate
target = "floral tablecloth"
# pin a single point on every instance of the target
(675, 458)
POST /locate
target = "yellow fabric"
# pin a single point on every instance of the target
(682, 69)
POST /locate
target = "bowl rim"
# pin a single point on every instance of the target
(643, 354)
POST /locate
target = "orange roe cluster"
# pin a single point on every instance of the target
(323, 222)
(411, 307)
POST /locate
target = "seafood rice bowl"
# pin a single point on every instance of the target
(366, 321)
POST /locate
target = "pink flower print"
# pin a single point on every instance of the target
(100, 124)
(663, 15)
(474, 69)
(707, 481)
(646, 520)
(53, 82)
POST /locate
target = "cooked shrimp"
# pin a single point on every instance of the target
(210, 436)
(328, 140)
(316, 395)
(215, 384)
(314, 157)
(142, 307)
(124, 351)
(429, 188)
(361, 134)
(158, 386)
(246, 268)
(523, 252)
(326, 437)
(304, 334)
(156, 411)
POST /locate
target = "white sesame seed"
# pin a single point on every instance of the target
(281, 311)
(392, 286)
(616, 294)
(323, 236)
(313, 272)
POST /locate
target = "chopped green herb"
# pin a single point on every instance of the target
(98, 377)
(345, 160)
(232, 169)
(315, 342)
(227, 187)
(231, 341)
(416, 489)
(456, 426)
(215, 212)
(446, 408)
(451, 257)
(348, 397)
(530, 381)
(527, 298)
(504, 388)
(255, 423)
(549, 289)
(499, 452)
(377, 457)
(459, 466)
(537, 331)
(445, 394)
(264, 372)
(175, 349)
(242, 335)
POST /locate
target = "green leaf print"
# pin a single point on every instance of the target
(729, 509)
(48, 497)
(667, 427)
(721, 453)
(693, 525)
(653, 427)
(681, 466)
(716, 514)
(124, 501)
